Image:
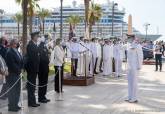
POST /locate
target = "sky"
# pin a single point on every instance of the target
(142, 11)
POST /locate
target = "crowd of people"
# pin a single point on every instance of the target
(151, 50)
(88, 57)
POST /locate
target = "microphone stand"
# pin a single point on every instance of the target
(92, 55)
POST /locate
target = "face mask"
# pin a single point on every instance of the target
(46, 41)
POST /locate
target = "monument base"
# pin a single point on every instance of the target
(78, 80)
(149, 62)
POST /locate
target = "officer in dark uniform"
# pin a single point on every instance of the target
(32, 67)
(43, 70)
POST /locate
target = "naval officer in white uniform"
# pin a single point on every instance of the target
(135, 60)
(107, 58)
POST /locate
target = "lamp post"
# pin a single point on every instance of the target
(146, 28)
(61, 19)
(113, 9)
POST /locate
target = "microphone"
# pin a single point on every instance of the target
(85, 46)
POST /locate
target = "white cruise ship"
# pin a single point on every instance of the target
(100, 29)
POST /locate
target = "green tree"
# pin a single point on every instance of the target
(18, 17)
(32, 6)
(94, 15)
(42, 14)
(24, 5)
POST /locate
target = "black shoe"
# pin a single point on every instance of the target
(48, 100)
(44, 101)
(136, 101)
(19, 108)
(34, 105)
(13, 109)
(96, 73)
(127, 100)
(59, 91)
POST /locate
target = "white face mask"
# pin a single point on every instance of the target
(61, 44)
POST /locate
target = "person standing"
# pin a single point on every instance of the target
(158, 56)
(74, 49)
(107, 58)
(15, 64)
(101, 61)
(81, 59)
(59, 57)
(99, 55)
(88, 55)
(43, 71)
(3, 50)
(32, 68)
(135, 60)
(117, 58)
(93, 62)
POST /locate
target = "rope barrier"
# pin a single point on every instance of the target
(11, 87)
(38, 85)
(21, 76)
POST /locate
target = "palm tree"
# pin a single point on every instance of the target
(42, 14)
(86, 3)
(18, 17)
(94, 15)
(32, 6)
(73, 20)
(24, 5)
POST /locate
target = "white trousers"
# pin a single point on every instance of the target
(107, 67)
(81, 65)
(92, 65)
(132, 84)
(118, 67)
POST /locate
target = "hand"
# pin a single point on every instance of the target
(2, 71)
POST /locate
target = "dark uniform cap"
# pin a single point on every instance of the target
(46, 35)
(35, 33)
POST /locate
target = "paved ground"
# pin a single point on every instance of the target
(107, 97)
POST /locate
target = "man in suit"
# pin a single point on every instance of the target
(3, 50)
(15, 64)
(32, 68)
(43, 70)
